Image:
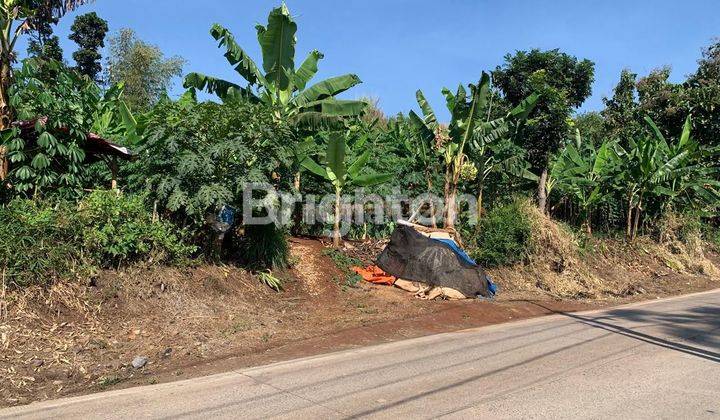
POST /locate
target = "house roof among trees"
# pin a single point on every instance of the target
(95, 146)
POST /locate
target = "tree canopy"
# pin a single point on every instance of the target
(88, 32)
(143, 68)
(563, 83)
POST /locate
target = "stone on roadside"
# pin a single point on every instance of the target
(139, 362)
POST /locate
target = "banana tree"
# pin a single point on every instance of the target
(466, 124)
(585, 174)
(450, 141)
(334, 169)
(279, 85)
(690, 179)
(488, 149)
(653, 167)
(423, 145)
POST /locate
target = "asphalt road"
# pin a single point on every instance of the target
(653, 360)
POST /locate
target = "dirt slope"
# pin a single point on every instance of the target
(74, 339)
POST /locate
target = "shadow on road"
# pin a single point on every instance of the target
(692, 326)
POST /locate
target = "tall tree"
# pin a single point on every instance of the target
(703, 96)
(662, 100)
(15, 20)
(88, 32)
(621, 112)
(563, 82)
(44, 43)
(143, 68)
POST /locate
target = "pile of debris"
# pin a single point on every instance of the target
(428, 262)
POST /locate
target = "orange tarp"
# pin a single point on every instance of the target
(374, 274)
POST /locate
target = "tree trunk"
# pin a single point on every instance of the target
(6, 111)
(446, 192)
(432, 203)
(628, 227)
(636, 222)
(297, 211)
(336, 227)
(4, 167)
(481, 186)
(542, 191)
(451, 209)
(588, 223)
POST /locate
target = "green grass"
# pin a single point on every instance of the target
(344, 262)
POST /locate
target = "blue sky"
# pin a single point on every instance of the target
(399, 46)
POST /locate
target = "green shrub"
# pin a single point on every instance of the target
(264, 246)
(41, 242)
(38, 243)
(195, 158)
(504, 236)
(118, 229)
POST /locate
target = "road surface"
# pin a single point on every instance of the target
(655, 360)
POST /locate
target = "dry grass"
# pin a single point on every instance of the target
(73, 336)
(611, 269)
(554, 266)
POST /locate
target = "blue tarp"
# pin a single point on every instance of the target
(457, 250)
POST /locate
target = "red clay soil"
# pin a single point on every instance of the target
(78, 339)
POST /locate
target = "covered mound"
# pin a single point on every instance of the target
(413, 256)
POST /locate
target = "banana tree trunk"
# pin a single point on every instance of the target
(6, 111)
(481, 187)
(432, 203)
(628, 227)
(588, 223)
(4, 167)
(451, 209)
(636, 221)
(336, 228)
(542, 191)
(446, 193)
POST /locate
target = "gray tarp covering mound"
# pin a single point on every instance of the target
(413, 256)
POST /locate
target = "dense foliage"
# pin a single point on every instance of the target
(648, 158)
(504, 235)
(43, 241)
(196, 157)
(16, 18)
(50, 158)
